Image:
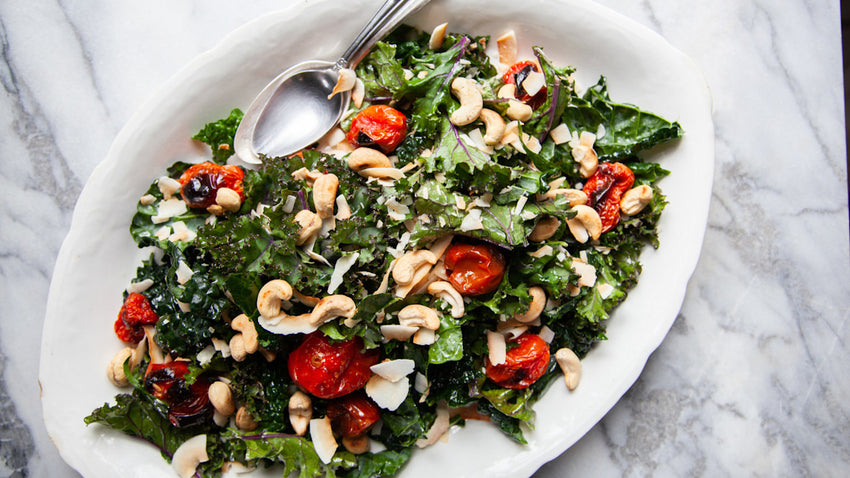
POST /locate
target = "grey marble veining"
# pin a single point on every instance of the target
(749, 381)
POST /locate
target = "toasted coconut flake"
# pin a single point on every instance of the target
(323, 439)
(507, 46)
(437, 36)
(344, 82)
(497, 347)
(394, 370)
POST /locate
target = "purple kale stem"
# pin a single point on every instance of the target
(463, 43)
(376, 99)
(303, 199)
(460, 142)
(553, 99)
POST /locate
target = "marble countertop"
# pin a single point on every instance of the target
(749, 381)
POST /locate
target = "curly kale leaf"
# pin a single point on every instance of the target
(219, 136)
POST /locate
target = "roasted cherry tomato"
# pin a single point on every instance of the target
(526, 361)
(135, 312)
(475, 269)
(604, 190)
(187, 404)
(352, 415)
(330, 369)
(516, 74)
(200, 183)
(378, 125)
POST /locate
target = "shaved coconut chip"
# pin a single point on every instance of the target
(184, 307)
(543, 251)
(343, 264)
(181, 232)
(398, 332)
(507, 47)
(483, 201)
(477, 140)
(600, 131)
(358, 93)
(385, 282)
(184, 273)
(472, 221)
(528, 215)
(342, 208)
(221, 420)
(139, 287)
(169, 208)
(232, 468)
(167, 186)
(386, 394)
(497, 347)
(561, 134)
(147, 199)
(288, 204)
(394, 370)
(420, 382)
(323, 438)
(531, 143)
(205, 355)
(512, 331)
(331, 139)
(222, 346)
(438, 429)
(439, 246)
(534, 82)
(605, 290)
(287, 324)
(381, 173)
(344, 82)
(437, 36)
(546, 334)
(460, 203)
(520, 204)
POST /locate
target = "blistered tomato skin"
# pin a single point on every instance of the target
(200, 183)
(188, 405)
(605, 189)
(135, 312)
(331, 369)
(475, 269)
(353, 415)
(378, 125)
(515, 75)
(526, 361)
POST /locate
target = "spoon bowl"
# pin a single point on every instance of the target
(296, 109)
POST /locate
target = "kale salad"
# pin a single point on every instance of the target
(447, 253)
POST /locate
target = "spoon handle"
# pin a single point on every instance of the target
(391, 13)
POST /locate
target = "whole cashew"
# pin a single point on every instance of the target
(471, 102)
(324, 194)
(416, 315)
(570, 366)
(538, 302)
(517, 110)
(363, 158)
(300, 412)
(585, 223)
(494, 124)
(310, 224)
(228, 199)
(115, 369)
(574, 196)
(584, 154)
(544, 229)
(270, 297)
(245, 342)
(407, 266)
(635, 199)
(357, 445)
(331, 307)
(221, 398)
(444, 290)
(244, 420)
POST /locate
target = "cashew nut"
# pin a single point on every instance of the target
(244, 420)
(303, 174)
(270, 297)
(363, 158)
(635, 199)
(494, 124)
(309, 226)
(331, 307)
(300, 412)
(115, 369)
(444, 290)
(357, 445)
(324, 194)
(574, 196)
(584, 154)
(189, 455)
(228, 199)
(471, 102)
(416, 315)
(570, 365)
(517, 110)
(245, 342)
(154, 350)
(544, 229)
(221, 398)
(407, 267)
(538, 302)
(586, 223)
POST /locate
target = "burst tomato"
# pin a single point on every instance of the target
(526, 361)
(378, 125)
(200, 183)
(352, 415)
(188, 405)
(516, 74)
(475, 269)
(330, 369)
(604, 190)
(135, 313)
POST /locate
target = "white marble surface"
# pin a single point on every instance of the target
(749, 382)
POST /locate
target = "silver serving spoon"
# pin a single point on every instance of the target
(293, 111)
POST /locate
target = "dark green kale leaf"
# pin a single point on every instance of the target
(376, 465)
(219, 136)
